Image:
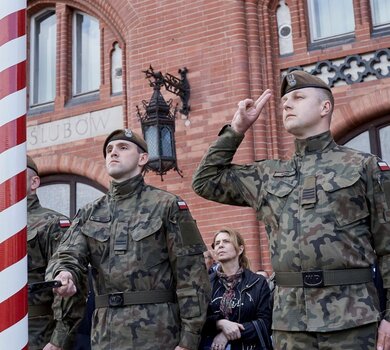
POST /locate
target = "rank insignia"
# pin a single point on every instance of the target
(383, 166)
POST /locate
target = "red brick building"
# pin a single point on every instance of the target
(85, 79)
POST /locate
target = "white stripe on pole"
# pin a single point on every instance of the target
(16, 336)
(12, 52)
(15, 158)
(13, 279)
(11, 104)
(9, 7)
(9, 227)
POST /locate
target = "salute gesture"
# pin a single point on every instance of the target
(248, 112)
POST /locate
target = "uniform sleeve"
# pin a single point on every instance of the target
(185, 248)
(72, 253)
(217, 179)
(378, 192)
(68, 312)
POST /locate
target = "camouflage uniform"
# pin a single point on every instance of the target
(327, 208)
(45, 228)
(138, 238)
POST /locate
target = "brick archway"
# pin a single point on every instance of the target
(360, 110)
(54, 164)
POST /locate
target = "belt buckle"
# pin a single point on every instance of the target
(115, 299)
(313, 279)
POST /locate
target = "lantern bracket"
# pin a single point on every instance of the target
(178, 86)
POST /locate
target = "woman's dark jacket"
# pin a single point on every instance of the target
(251, 305)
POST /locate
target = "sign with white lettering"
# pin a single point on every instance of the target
(75, 128)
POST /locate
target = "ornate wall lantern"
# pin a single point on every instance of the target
(158, 120)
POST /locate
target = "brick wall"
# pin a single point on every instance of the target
(231, 51)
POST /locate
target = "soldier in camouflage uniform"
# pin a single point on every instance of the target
(150, 280)
(45, 227)
(326, 212)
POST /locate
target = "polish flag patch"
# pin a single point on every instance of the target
(182, 205)
(383, 166)
(64, 223)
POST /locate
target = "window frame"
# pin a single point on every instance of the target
(335, 40)
(373, 127)
(47, 105)
(80, 95)
(72, 181)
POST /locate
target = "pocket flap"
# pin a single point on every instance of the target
(96, 231)
(281, 188)
(335, 182)
(142, 231)
(32, 234)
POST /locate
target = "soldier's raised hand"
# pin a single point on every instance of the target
(68, 287)
(248, 112)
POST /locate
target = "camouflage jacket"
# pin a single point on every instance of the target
(140, 238)
(327, 208)
(44, 230)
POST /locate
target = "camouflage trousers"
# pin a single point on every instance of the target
(359, 338)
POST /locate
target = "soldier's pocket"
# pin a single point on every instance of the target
(150, 243)
(97, 233)
(343, 197)
(275, 199)
(188, 303)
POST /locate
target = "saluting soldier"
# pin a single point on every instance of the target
(150, 280)
(52, 322)
(326, 212)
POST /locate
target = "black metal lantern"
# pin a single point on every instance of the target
(158, 125)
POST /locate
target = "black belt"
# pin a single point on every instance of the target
(134, 298)
(317, 279)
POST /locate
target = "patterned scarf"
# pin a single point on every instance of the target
(229, 282)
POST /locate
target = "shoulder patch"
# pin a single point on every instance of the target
(182, 205)
(64, 223)
(383, 166)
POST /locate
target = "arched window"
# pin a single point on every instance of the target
(67, 193)
(373, 137)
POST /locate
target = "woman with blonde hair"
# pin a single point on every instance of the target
(239, 313)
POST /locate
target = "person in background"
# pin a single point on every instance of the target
(239, 314)
(52, 322)
(150, 280)
(327, 214)
(211, 263)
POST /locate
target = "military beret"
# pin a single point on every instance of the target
(31, 164)
(127, 135)
(299, 79)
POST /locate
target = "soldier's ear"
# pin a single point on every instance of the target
(35, 182)
(326, 107)
(143, 159)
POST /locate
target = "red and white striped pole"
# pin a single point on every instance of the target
(13, 204)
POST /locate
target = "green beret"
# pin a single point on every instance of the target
(31, 164)
(299, 79)
(127, 135)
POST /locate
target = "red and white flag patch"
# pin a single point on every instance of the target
(64, 223)
(383, 166)
(182, 205)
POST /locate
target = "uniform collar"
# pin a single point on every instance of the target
(314, 144)
(127, 187)
(32, 202)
